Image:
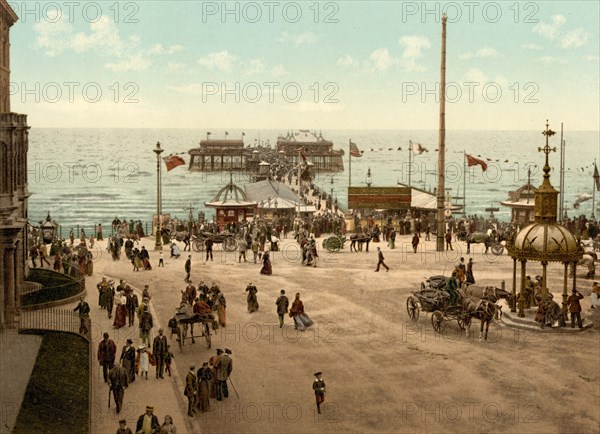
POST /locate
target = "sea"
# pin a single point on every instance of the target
(89, 176)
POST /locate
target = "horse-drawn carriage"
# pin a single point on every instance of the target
(474, 301)
(335, 243)
(436, 301)
(229, 242)
(186, 318)
(490, 241)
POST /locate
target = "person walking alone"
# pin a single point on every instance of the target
(282, 306)
(319, 389)
(380, 260)
(159, 349)
(188, 268)
(106, 355)
(449, 240)
(117, 381)
(415, 242)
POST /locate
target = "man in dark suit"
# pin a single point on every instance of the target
(209, 248)
(380, 260)
(282, 306)
(159, 349)
(148, 423)
(191, 390)
(106, 355)
(117, 381)
(84, 315)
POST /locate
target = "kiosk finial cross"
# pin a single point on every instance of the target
(547, 149)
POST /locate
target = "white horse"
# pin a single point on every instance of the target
(588, 261)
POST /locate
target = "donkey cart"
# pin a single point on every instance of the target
(185, 318)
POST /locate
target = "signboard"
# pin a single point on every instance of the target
(379, 197)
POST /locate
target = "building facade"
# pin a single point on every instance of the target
(13, 186)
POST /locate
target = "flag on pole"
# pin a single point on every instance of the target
(597, 177)
(354, 151)
(417, 148)
(472, 161)
(172, 161)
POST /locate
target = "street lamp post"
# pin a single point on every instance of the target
(48, 230)
(158, 245)
(331, 197)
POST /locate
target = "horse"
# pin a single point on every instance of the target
(185, 308)
(482, 309)
(360, 239)
(587, 260)
(490, 293)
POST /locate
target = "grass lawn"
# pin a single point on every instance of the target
(57, 396)
(56, 286)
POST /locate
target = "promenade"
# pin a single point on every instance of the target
(380, 368)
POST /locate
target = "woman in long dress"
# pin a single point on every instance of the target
(252, 299)
(121, 311)
(204, 380)
(137, 261)
(266, 268)
(297, 309)
(212, 385)
(144, 360)
(301, 319)
(221, 309)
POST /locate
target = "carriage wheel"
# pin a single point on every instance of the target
(464, 321)
(198, 245)
(412, 307)
(180, 337)
(230, 244)
(336, 244)
(497, 249)
(437, 320)
(207, 335)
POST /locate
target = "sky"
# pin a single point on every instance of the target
(318, 65)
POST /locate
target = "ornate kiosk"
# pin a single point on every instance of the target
(544, 240)
(231, 205)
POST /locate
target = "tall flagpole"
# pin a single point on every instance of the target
(441, 226)
(409, 161)
(562, 175)
(594, 192)
(349, 162)
(465, 171)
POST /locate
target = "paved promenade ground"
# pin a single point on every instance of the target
(17, 358)
(383, 372)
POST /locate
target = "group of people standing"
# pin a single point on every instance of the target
(210, 381)
(132, 363)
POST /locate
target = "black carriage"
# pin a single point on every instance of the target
(432, 298)
(185, 319)
(229, 241)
